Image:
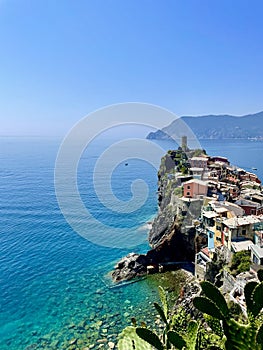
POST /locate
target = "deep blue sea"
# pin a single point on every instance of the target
(53, 282)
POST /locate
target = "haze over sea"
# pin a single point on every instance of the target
(51, 278)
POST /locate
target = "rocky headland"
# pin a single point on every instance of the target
(215, 127)
(172, 236)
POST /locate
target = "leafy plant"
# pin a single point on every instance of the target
(179, 332)
(240, 262)
(129, 340)
(228, 329)
(238, 335)
(180, 319)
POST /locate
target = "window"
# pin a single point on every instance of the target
(244, 232)
(188, 187)
(210, 234)
(188, 193)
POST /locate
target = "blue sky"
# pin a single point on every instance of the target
(60, 60)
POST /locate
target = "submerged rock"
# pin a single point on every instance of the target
(73, 341)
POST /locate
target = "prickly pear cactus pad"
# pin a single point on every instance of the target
(129, 340)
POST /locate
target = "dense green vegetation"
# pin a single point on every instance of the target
(240, 262)
(217, 127)
(217, 326)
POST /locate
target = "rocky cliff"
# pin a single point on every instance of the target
(174, 224)
(172, 236)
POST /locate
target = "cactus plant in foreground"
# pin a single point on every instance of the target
(238, 335)
(170, 339)
(129, 340)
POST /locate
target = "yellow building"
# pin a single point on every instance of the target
(214, 213)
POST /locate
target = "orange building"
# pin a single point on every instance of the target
(195, 188)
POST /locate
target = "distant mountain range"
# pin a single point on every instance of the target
(217, 127)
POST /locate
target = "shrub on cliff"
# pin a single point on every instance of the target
(240, 262)
(238, 335)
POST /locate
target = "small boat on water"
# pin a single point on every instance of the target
(253, 168)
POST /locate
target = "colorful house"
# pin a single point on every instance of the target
(195, 188)
(250, 207)
(213, 215)
(202, 260)
(239, 228)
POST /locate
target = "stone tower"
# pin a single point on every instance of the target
(184, 143)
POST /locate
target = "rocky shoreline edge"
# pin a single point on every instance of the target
(134, 265)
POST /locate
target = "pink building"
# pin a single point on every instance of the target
(195, 188)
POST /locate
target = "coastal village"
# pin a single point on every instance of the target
(209, 225)
(232, 212)
(229, 214)
(219, 204)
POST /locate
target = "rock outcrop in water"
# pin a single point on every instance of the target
(172, 236)
(132, 265)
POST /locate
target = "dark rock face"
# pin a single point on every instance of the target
(173, 245)
(161, 225)
(129, 267)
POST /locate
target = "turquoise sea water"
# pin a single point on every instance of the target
(53, 282)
